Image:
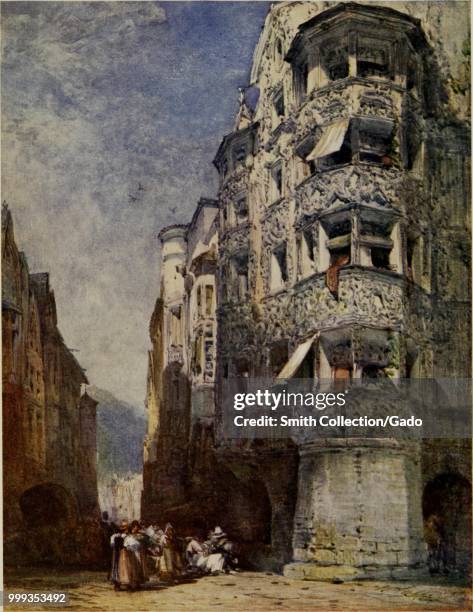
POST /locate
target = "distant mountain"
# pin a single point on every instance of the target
(120, 432)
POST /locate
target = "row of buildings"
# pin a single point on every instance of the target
(338, 247)
(49, 424)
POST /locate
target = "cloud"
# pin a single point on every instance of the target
(98, 97)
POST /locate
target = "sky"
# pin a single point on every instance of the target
(111, 115)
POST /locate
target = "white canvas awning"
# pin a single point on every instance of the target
(296, 359)
(331, 140)
(200, 249)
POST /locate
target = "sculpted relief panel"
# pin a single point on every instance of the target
(236, 325)
(234, 241)
(367, 185)
(363, 298)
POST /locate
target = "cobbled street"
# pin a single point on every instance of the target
(242, 591)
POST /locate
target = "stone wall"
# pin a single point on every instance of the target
(49, 452)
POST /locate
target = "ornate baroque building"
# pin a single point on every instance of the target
(49, 445)
(343, 254)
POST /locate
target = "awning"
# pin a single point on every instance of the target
(331, 140)
(200, 249)
(296, 359)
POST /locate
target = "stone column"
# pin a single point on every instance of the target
(279, 472)
(355, 237)
(395, 257)
(323, 254)
(359, 508)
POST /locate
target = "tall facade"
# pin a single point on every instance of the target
(181, 373)
(343, 218)
(49, 449)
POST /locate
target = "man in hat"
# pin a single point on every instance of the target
(214, 561)
(225, 549)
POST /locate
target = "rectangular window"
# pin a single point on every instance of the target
(198, 360)
(301, 78)
(199, 299)
(307, 367)
(209, 294)
(242, 368)
(306, 253)
(380, 258)
(413, 258)
(279, 107)
(339, 242)
(279, 356)
(240, 266)
(412, 77)
(241, 209)
(372, 60)
(278, 272)
(176, 338)
(372, 371)
(277, 181)
(340, 257)
(375, 141)
(240, 155)
(334, 62)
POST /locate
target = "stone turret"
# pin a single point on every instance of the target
(328, 230)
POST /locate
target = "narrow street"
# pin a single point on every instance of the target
(242, 591)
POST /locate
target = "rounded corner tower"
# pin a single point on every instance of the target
(341, 192)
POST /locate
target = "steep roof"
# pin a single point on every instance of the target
(343, 8)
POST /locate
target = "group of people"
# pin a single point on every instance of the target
(141, 551)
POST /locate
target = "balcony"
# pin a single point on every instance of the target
(361, 183)
(365, 296)
(346, 98)
(236, 238)
(236, 181)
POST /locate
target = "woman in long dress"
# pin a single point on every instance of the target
(116, 542)
(127, 569)
(171, 563)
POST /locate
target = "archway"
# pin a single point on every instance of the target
(48, 504)
(247, 515)
(448, 498)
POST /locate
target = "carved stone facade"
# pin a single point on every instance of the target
(344, 216)
(49, 446)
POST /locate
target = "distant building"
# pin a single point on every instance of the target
(49, 448)
(343, 254)
(120, 496)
